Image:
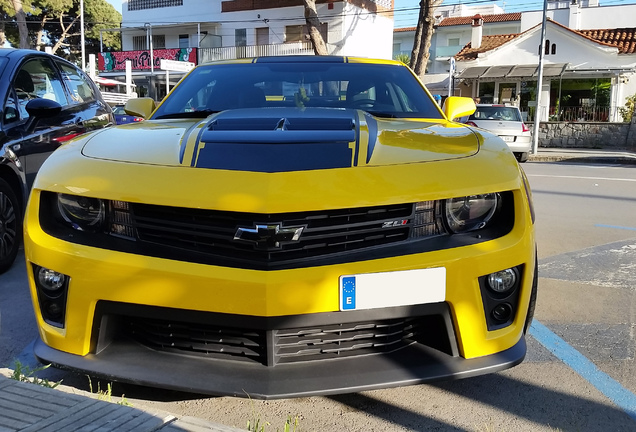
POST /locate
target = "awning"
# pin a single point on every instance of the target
(435, 83)
(473, 72)
(108, 82)
(512, 71)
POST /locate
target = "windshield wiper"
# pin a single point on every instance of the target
(191, 114)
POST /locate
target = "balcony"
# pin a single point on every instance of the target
(445, 52)
(234, 52)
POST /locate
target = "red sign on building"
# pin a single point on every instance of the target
(116, 61)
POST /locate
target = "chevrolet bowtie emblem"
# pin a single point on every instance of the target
(268, 236)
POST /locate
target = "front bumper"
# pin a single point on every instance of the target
(128, 361)
(108, 287)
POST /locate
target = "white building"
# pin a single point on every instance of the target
(588, 76)
(204, 30)
(587, 73)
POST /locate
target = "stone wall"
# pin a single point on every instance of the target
(619, 136)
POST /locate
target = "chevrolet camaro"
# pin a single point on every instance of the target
(282, 227)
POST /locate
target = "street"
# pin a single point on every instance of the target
(579, 373)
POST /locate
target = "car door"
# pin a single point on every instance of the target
(34, 140)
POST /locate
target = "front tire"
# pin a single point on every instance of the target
(10, 226)
(533, 298)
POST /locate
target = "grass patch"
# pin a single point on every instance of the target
(24, 373)
(106, 395)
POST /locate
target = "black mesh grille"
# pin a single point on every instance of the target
(321, 342)
(322, 233)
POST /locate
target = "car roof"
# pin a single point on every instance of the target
(19, 53)
(306, 59)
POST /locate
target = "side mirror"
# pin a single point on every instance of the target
(40, 108)
(456, 106)
(140, 107)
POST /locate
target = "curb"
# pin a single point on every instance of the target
(28, 407)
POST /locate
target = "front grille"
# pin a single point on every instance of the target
(271, 347)
(324, 233)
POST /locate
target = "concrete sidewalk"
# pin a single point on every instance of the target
(576, 155)
(28, 407)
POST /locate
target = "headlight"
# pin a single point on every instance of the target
(82, 213)
(471, 212)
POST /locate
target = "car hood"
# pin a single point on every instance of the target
(283, 140)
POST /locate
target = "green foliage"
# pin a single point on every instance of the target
(627, 111)
(291, 425)
(43, 17)
(403, 57)
(106, 395)
(24, 373)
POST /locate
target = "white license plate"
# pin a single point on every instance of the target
(508, 138)
(401, 288)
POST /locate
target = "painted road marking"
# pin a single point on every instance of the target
(583, 177)
(615, 226)
(613, 390)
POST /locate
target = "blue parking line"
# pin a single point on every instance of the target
(615, 226)
(613, 390)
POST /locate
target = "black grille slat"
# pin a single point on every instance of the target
(328, 232)
(288, 345)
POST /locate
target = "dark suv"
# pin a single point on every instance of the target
(45, 101)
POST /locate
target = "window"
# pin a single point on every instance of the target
(453, 41)
(134, 5)
(184, 41)
(36, 79)
(299, 33)
(240, 37)
(140, 42)
(77, 82)
(553, 49)
(158, 41)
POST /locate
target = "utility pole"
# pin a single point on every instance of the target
(535, 129)
(82, 35)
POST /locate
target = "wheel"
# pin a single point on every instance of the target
(10, 226)
(522, 157)
(533, 297)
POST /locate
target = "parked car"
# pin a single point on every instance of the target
(507, 123)
(121, 117)
(284, 226)
(47, 102)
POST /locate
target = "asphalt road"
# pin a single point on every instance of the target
(579, 375)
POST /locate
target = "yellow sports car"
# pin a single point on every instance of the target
(281, 227)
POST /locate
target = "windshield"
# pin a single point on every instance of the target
(385, 90)
(496, 113)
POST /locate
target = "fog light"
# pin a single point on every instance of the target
(50, 280)
(502, 281)
(502, 312)
(54, 310)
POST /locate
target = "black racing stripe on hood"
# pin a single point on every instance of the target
(278, 140)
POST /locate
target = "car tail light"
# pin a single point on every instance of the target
(524, 128)
(138, 119)
(471, 124)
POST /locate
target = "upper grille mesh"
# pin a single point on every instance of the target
(324, 232)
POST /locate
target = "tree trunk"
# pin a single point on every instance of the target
(313, 27)
(423, 36)
(3, 36)
(20, 18)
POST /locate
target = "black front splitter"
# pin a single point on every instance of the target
(416, 364)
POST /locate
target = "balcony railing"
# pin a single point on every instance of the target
(229, 53)
(447, 51)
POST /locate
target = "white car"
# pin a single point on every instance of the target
(505, 121)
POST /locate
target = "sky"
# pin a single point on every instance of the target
(406, 10)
